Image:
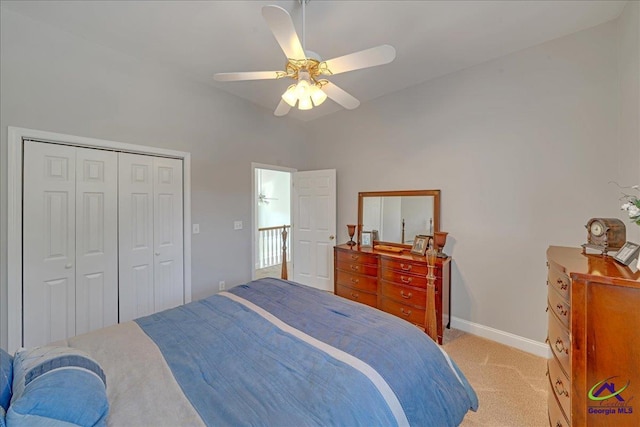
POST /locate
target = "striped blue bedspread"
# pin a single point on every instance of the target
(277, 353)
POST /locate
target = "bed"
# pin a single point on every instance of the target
(269, 352)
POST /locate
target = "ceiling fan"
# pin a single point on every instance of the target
(306, 67)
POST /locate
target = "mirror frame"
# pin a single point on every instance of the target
(436, 209)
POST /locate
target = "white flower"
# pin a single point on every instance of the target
(633, 211)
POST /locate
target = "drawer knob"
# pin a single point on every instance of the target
(356, 281)
(354, 295)
(355, 267)
(560, 346)
(405, 312)
(405, 279)
(406, 296)
(560, 390)
(355, 256)
(405, 267)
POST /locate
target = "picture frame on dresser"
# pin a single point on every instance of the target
(420, 243)
(366, 239)
(627, 253)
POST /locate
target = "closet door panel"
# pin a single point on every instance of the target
(136, 254)
(168, 233)
(96, 239)
(48, 243)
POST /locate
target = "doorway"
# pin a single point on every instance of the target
(272, 217)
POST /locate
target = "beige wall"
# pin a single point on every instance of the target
(56, 82)
(522, 147)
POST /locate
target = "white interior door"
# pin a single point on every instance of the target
(48, 243)
(96, 239)
(135, 213)
(314, 227)
(167, 236)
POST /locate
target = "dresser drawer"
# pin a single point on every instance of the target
(404, 294)
(367, 269)
(559, 385)
(406, 312)
(356, 295)
(556, 416)
(559, 343)
(559, 281)
(407, 267)
(357, 281)
(559, 306)
(352, 257)
(409, 279)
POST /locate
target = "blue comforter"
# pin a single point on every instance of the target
(277, 353)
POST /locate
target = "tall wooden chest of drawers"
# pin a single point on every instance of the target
(392, 282)
(594, 337)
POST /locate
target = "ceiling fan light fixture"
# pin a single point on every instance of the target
(317, 95)
(304, 103)
(290, 96)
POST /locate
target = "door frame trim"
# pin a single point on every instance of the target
(16, 136)
(254, 216)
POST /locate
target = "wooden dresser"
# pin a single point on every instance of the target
(594, 336)
(395, 283)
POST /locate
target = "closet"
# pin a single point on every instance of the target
(102, 238)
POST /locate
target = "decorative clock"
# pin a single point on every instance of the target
(605, 234)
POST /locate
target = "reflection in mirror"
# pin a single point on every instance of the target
(396, 217)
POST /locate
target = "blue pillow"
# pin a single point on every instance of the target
(57, 386)
(6, 379)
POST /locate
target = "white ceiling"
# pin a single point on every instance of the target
(432, 38)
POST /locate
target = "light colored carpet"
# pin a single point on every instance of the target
(273, 271)
(511, 384)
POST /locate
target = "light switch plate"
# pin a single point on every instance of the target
(196, 228)
(237, 225)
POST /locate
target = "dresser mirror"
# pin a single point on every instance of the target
(396, 217)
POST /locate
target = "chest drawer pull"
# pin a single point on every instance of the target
(405, 279)
(354, 257)
(355, 281)
(563, 311)
(560, 391)
(354, 295)
(406, 296)
(563, 285)
(355, 267)
(405, 312)
(560, 346)
(406, 267)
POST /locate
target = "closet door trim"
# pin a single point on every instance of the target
(15, 139)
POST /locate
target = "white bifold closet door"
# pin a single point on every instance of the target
(151, 234)
(70, 246)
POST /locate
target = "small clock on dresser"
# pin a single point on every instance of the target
(605, 234)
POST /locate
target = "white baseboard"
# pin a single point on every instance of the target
(525, 344)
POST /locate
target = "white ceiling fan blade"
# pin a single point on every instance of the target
(282, 109)
(251, 75)
(281, 26)
(340, 96)
(378, 55)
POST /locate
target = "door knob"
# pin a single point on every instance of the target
(332, 237)
(68, 266)
(157, 253)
